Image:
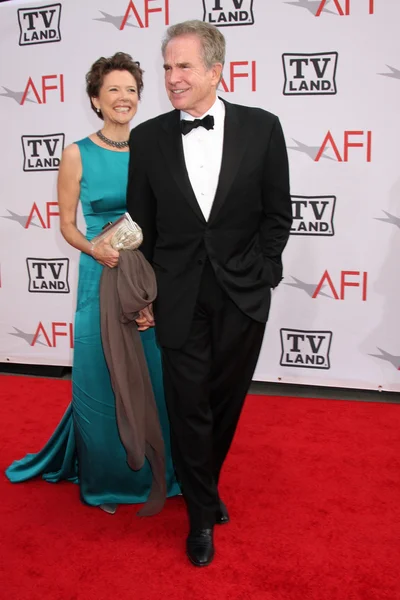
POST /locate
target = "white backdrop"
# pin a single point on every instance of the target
(329, 69)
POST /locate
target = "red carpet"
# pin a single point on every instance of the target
(312, 487)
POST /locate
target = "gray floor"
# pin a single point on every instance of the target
(262, 388)
(310, 391)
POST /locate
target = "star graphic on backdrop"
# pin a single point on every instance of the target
(394, 360)
(311, 151)
(17, 96)
(395, 73)
(389, 219)
(311, 5)
(116, 21)
(308, 288)
(28, 337)
(21, 219)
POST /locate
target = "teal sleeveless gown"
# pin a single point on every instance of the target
(85, 447)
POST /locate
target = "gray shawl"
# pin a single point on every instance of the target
(124, 291)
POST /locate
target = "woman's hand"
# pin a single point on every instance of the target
(105, 254)
(145, 318)
(68, 186)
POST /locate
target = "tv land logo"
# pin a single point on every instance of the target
(340, 8)
(313, 215)
(36, 217)
(39, 25)
(48, 275)
(48, 334)
(310, 74)
(351, 139)
(39, 90)
(42, 152)
(140, 11)
(227, 13)
(347, 279)
(305, 349)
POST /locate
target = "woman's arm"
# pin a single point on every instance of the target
(68, 188)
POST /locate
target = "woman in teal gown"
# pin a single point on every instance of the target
(85, 447)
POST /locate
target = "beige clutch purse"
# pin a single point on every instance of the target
(126, 234)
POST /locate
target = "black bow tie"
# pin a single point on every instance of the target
(187, 126)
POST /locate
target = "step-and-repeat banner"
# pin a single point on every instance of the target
(330, 69)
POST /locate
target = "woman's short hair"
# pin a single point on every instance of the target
(120, 61)
(212, 40)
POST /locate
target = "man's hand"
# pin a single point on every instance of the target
(145, 318)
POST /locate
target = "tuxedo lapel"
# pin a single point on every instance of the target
(170, 142)
(235, 141)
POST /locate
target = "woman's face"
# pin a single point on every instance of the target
(118, 98)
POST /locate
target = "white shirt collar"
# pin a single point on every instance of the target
(217, 110)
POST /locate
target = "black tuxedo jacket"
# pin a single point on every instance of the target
(247, 229)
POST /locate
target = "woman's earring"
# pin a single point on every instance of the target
(98, 110)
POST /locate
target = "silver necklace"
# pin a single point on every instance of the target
(112, 142)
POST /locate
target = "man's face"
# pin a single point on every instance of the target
(190, 86)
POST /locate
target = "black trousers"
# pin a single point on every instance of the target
(206, 381)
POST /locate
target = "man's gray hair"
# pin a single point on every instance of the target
(212, 40)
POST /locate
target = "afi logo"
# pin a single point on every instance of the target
(388, 357)
(365, 142)
(148, 8)
(48, 275)
(51, 210)
(313, 215)
(238, 70)
(389, 218)
(44, 87)
(39, 25)
(310, 74)
(393, 73)
(306, 349)
(224, 13)
(361, 281)
(42, 152)
(343, 6)
(51, 334)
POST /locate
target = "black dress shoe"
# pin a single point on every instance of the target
(200, 547)
(222, 515)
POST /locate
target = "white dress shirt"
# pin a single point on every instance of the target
(202, 149)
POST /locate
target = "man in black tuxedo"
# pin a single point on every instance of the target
(209, 185)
